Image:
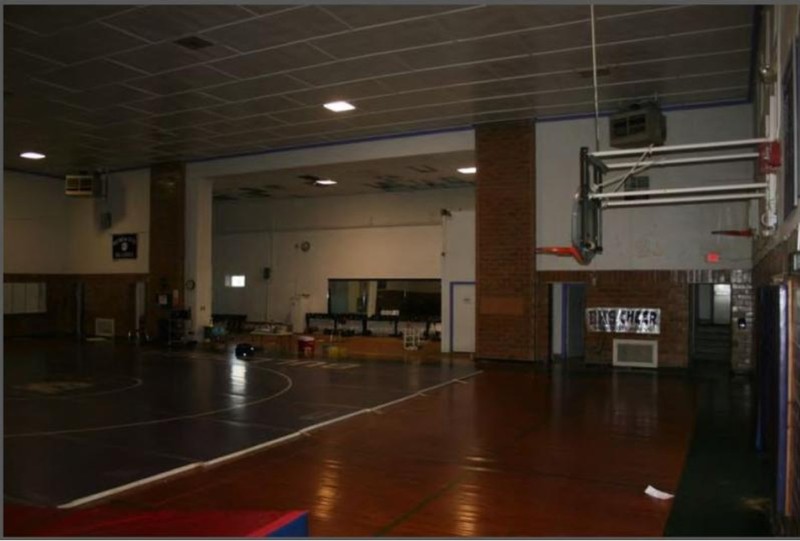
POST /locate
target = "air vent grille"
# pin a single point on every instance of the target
(637, 353)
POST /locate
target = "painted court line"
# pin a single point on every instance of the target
(165, 420)
(261, 446)
(128, 486)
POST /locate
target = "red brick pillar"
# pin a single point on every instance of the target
(506, 240)
(167, 239)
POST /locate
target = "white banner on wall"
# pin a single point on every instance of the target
(624, 320)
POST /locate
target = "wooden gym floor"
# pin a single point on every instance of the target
(512, 451)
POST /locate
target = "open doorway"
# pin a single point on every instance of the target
(567, 308)
(710, 315)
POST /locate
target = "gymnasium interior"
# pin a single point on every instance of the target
(412, 270)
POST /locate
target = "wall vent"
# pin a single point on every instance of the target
(638, 353)
(104, 327)
(85, 185)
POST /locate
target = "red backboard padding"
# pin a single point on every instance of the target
(118, 522)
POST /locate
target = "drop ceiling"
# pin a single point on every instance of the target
(108, 86)
(388, 175)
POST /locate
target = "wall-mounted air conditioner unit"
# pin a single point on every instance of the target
(639, 126)
(636, 353)
(85, 185)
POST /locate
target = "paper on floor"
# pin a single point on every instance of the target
(654, 492)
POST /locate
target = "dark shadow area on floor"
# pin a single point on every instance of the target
(725, 486)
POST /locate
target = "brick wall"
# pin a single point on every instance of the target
(167, 238)
(505, 236)
(667, 290)
(105, 295)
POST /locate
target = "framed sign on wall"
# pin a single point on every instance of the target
(124, 246)
(624, 320)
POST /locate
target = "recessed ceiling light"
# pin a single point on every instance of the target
(339, 106)
(468, 170)
(324, 182)
(32, 155)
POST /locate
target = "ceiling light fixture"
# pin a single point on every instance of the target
(468, 170)
(339, 106)
(325, 182)
(32, 155)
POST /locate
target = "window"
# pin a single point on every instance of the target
(234, 280)
(24, 298)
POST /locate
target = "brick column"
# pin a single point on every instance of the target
(506, 240)
(167, 239)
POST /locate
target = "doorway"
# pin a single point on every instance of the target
(462, 317)
(567, 309)
(710, 333)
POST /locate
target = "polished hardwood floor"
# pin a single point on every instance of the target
(511, 452)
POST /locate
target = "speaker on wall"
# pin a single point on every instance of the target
(267, 273)
(105, 220)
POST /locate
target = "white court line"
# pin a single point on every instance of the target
(225, 458)
(158, 421)
(128, 486)
(137, 383)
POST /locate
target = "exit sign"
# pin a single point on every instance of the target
(712, 257)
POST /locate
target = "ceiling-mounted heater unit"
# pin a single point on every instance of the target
(86, 185)
(639, 126)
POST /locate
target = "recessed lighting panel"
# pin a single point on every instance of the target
(325, 182)
(468, 170)
(339, 106)
(32, 155)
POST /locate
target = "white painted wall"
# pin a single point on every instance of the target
(458, 261)
(364, 236)
(47, 232)
(657, 237)
(90, 246)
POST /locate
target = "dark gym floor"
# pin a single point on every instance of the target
(82, 419)
(515, 450)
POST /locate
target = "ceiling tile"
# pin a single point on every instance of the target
(278, 29)
(368, 15)
(249, 137)
(383, 39)
(347, 91)
(23, 65)
(191, 78)
(416, 80)
(307, 114)
(463, 52)
(49, 19)
(112, 115)
(263, 9)
(169, 56)
(252, 88)
(105, 96)
(348, 70)
(82, 43)
(192, 132)
(406, 99)
(557, 38)
(676, 45)
(182, 119)
(493, 19)
(311, 128)
(543, 63)
(272, 60)
(266, 104)
(175, 102)
(160, 22)
(90, 74)
(243, 124)
(16, 37)
(679, 19)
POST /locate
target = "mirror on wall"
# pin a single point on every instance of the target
(408, 299)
